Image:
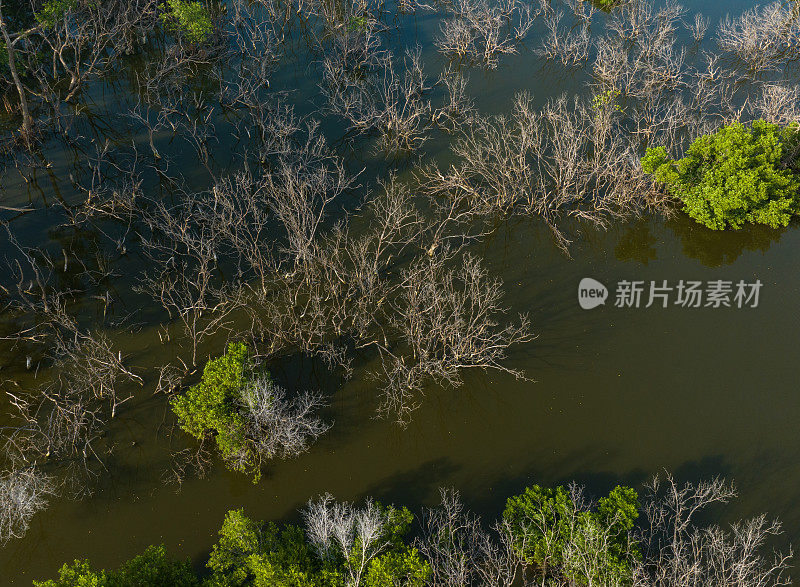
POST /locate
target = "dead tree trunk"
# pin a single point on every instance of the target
(27, 120)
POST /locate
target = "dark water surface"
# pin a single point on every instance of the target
(615, 394)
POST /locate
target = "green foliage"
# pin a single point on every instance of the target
(734, 176)
(403, 566)
(189, 17)
(152, 568)
(78, 574)
(606, 98)
(251, 554)
(606, 5)
(53, 11)
(210, 406)
(357, 23)
(549, 528)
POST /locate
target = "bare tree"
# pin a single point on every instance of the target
(481, 31)
(459, 107)
(447, 318)
(678, 551)
(275, 426)
(64, 419)
(23, 493)
(763, 37)
(698, 27)
(378, 98)
(570, 46)
(64, 416)
(461, 552)
(357, 534)
(778, 104)
(451, 541)
(185, 248)
(27, 119)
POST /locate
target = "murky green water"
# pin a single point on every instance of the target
(615, 394)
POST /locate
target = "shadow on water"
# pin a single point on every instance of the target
(416, 488)
(637, 243)
(714, 248)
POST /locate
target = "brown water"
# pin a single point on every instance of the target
(615, 394)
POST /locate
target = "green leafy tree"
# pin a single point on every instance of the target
(152, 568)
(559, 534)
(404, 566)
(252, 554)
(737, 175)
(249, 416)
(210, 406)
(267, 555)
(78, 574)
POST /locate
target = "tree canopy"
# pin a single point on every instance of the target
(738, 175)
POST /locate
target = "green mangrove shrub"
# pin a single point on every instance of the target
(564, 537)
(211, 406)
(189, 17)
(367, 547)
(153, 568)
(249, 416)
(740, 174)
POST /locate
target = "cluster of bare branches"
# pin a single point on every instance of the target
(567, 158)
(459, 550)
(673, 546)
(64, 416)
(480, 31)
(372, 95)
(447, 318)
(428, 321)
(276, 426)
(23, 493)
(571, 44)
(341, 529)
(185, 280)
(458, 107)
(389, 278)
(698, 27)
(764, 37)
(78, 41)
(778, 104)
(678, 551)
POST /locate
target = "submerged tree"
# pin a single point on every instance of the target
(24, 492)
(248, 415)
(678, 550)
